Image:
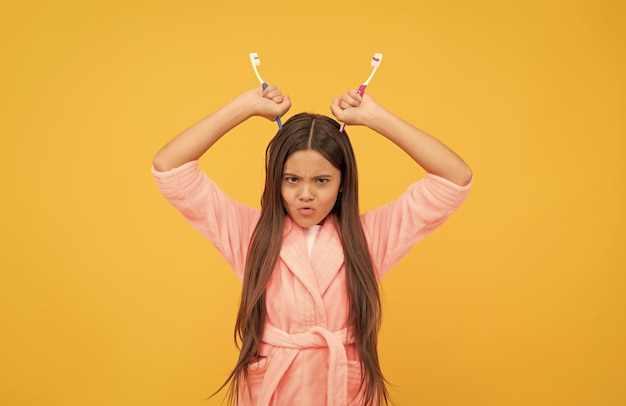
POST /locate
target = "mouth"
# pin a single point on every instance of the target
(306, 211)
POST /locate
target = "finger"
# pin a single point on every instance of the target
(285, 104)
(342, 102)
(269, 88)
(348, 104)
(271, 91)
(336, 109)
(279, 109)
(351, 100)
(273, 95)
(355, 94)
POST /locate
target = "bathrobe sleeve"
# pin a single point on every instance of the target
(226, 223)
(393, 229)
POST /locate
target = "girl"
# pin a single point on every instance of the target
(309, 262)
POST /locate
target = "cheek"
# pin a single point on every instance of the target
(333, 198)
(286, 197)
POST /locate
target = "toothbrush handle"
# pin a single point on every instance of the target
(280, 123)
(361, 91)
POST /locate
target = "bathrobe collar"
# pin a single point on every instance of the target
(317, 270)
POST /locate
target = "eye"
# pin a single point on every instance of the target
(322, 181)
(291, 179)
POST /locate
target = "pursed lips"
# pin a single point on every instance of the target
(306, 210)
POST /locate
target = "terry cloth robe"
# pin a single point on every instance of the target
(308, 356)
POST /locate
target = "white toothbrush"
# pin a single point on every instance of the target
(255, 61)
(375, 63)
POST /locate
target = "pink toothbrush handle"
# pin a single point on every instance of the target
(361, 91)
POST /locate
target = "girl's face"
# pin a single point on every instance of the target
(309, 187)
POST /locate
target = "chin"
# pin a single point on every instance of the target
(306, 223)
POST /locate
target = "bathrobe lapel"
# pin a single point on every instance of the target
(315, 272)
(327, 257)
(295, 255)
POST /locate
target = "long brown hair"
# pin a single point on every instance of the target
(306, 131)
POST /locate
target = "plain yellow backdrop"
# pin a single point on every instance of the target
(108, 298)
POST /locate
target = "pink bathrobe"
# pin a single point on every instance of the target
(309, 357)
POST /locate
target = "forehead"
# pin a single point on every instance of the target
(308, 161)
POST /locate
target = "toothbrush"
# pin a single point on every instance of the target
(255, 61)
(375, 63)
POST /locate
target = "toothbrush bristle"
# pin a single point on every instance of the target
(376, 59)
(254, 58)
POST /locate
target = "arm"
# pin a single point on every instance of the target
(427, 151)
(192, 143)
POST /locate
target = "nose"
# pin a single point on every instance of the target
(306, 194)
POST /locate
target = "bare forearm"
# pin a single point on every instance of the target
(192, 143)
(430, 153)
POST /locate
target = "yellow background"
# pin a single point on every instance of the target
(108, 298)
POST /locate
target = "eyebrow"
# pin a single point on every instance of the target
(298, 176)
